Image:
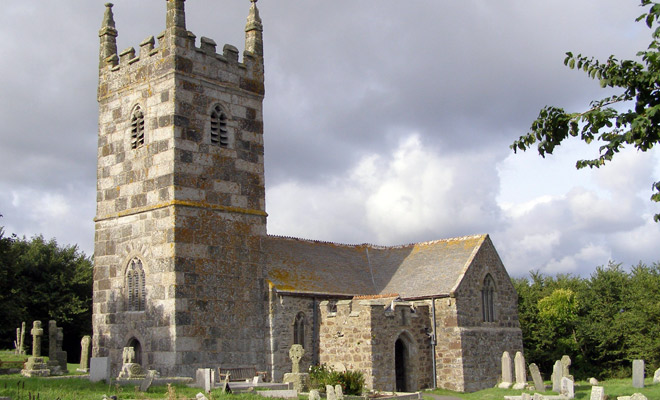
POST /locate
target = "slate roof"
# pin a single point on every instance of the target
(415, 270)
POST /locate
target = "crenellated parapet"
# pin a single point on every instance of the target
(177, 49)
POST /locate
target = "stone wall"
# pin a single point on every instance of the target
(361, 335)
(283, 311)
(482, 342)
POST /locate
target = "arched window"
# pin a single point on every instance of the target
(219, 132)
(299, 330)
(135, 285)
(487, 294)
(137, 128)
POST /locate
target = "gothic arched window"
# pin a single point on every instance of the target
(299, 329)
(135, 285)
(137, 128)
(219, 132)
(487, 299)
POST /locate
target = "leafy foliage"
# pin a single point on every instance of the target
(603, 322)
(352, 382)
(639, 86)
(40, 280)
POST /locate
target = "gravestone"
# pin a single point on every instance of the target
(300, 381)
(20, 340)
(339, 393)
(567, 388)
(597, 393)
(205, 378)
(330, 393)
(521, 372)
(55, 356)
(507, 374)
(556, 376)
(638, 373)
(200, 396)
(99, 369)
(656, 376)
(638, 396)
(148, 381)
(36, 365)
(314, 395)
(225, 384)
(84, 354)
(565, 365)
(536, 377)
(593, 381)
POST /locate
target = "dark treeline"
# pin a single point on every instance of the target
(602, 322)
(40, 280)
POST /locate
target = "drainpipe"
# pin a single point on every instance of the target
(433, 344)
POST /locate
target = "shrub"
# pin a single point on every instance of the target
(352, 382)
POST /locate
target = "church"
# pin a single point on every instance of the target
(186, 273)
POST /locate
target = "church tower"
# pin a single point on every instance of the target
(178, 265)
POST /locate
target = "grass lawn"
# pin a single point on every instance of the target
(613, 388)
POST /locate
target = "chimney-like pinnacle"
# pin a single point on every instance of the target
(108, 35)
(176, 16)
(253, 31)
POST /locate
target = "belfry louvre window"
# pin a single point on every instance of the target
(219, 133)
(487, 301)
(137, 128)
(135, 285)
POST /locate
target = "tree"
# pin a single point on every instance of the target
(639, 86)
(40, 280)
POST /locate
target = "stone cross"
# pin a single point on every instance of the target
(84, 353)
(638, 374)
(295, 354)
(536, 377)
(507, 375)
(37, 332)
(521, 372)
(565, 364)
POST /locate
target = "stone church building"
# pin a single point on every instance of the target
(186, 273)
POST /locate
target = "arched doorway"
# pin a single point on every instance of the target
(401, 357)
(135, 344)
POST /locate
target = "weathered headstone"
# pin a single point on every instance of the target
(565, 366)
(638, 396)
(296, 353)
(339, 392)
(536, 377)
(556, 376)
(525, 396)
(314, 394)
(205, 378)
(84, 354)
(593, 381)
(55, 356)
(99, 369)
(148, 380)
(597, 393)
(330, 393)
(507, 374)
(200, 396)
(20, 340)
(656, 376)
(521, 371)
(225, 384)
(36, 365)
(567, 387)
(638, 373)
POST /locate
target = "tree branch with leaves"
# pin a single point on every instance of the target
(639, 126)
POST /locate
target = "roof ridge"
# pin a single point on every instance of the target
(375, 246)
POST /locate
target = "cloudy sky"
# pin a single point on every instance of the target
(386, 122)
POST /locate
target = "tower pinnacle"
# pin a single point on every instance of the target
(108, 35)
(176, 17)
(253, 31)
